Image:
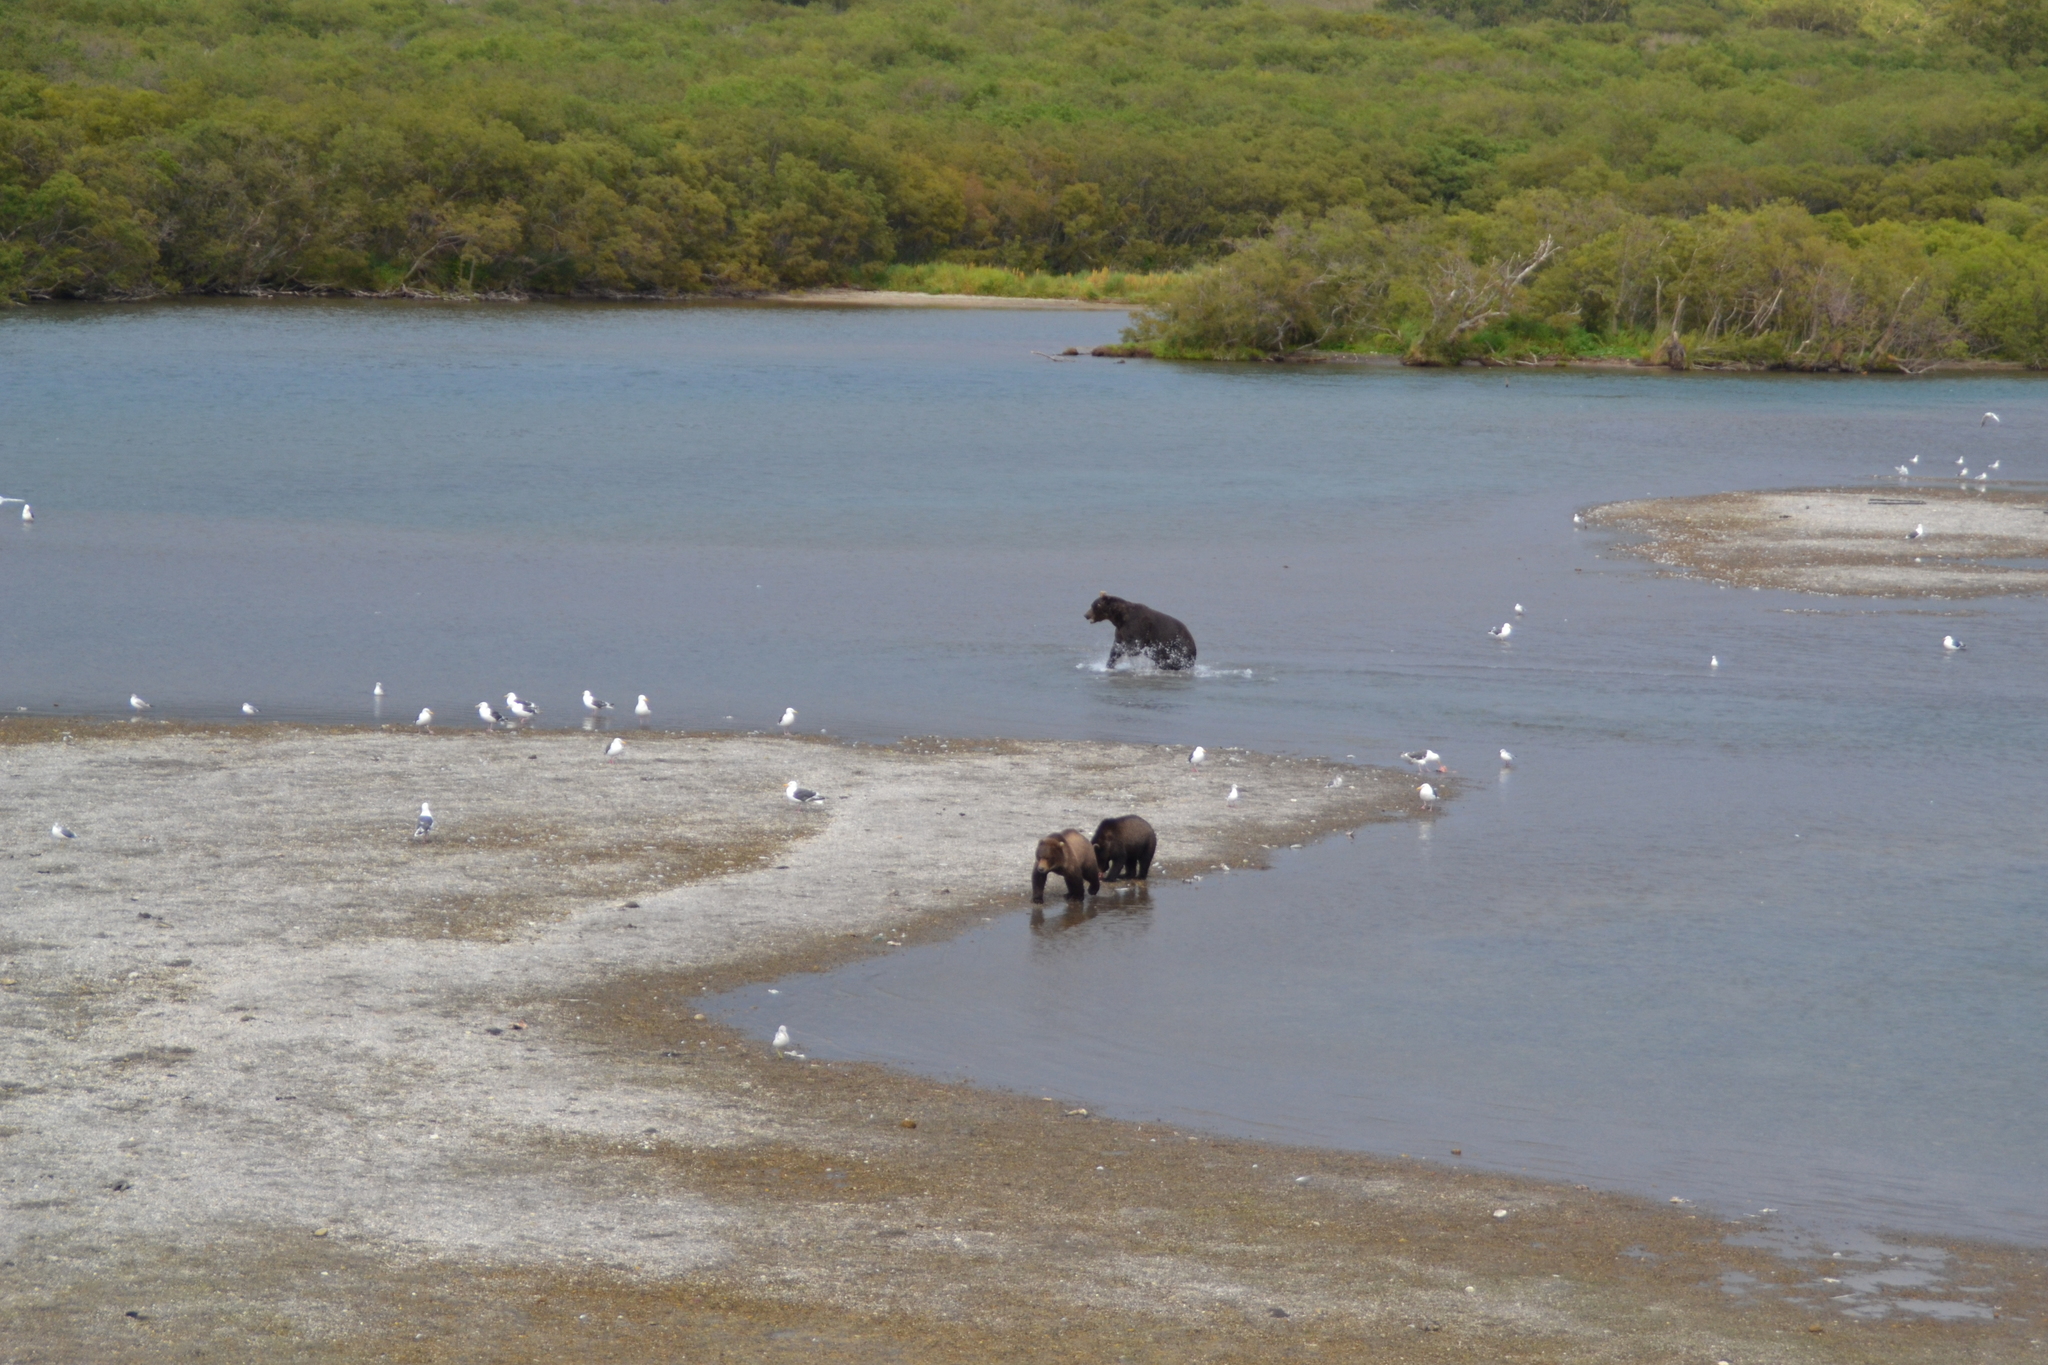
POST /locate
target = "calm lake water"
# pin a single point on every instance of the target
(1769, 935)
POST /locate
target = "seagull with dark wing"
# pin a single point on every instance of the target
(426, 824)
(489, 714)
(59, 832)
(521, 709)
(249, 709)
(592, 704)
(803, 796)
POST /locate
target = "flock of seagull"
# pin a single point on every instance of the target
(518, 712)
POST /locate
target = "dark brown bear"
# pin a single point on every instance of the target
(1124, 848)
(1070, 855)
(1141, 630)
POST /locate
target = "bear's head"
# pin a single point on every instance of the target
(1052, 853)
(1107, 608)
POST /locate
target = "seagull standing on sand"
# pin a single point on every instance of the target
(59, 832)
(425, 717)
(137, 703)
(592, 704)
(487, 714)
(1195, 758)
(1991, 419)
(1232, 798)
(1422, 758)
(1428, 795)
(426, 824)
(615, 748)
(1503, 630)
(1951, 644)
(803, 796)
(1917, 532)
(781, 1043)
(249, 708)
(788, 719)
(520, 709)
(642, 709)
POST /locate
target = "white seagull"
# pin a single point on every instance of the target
(1951, 644)
(487, 714)
(641, 708)
(1901, 469)
(1337, 781)
(27, 513)
(1959, 459)
(425, 717)
(1996, 463)
(592, 704)
(1507, 760)
(1232, 798)
(1503, 630)
(1422, 758)
(520, 709)
(1578, 520)
(1990, 419)
(803, 796)
(1713, 661)
(1195, 758)
(378, 690)
(615, 748)
(1914, 460)
(1518, 608)
(137, 703)
(781, 1044)
(59, 832)
(1917, 532)
(249, 708)
(426, 824)
(788, 719)
(1428, 795)
(1983, 476)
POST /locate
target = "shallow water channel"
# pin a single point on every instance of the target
(1767, 935)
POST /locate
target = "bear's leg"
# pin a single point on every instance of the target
(1074, 885)
(1038, 887)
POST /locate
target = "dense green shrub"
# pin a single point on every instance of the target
(645, 146)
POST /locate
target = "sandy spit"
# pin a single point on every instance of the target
(1847, 541)
(278, 1082)
(903, 298)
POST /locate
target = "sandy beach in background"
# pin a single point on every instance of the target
(903, 298)
(1834, 540)
(280, 1083)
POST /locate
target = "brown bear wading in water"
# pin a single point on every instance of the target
(1069, 854)
(1124, 847)
(1141, 630)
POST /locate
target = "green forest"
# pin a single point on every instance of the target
(1812, 183)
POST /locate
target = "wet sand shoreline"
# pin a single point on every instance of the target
(281, 1084)
(1847, 541)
